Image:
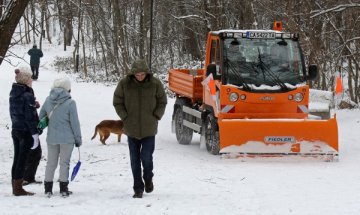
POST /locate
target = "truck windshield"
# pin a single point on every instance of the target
(262, 62)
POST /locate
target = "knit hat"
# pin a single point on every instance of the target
(139, 66)
(62, 83)
(23, 76)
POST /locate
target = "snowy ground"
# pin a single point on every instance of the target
(187, 179)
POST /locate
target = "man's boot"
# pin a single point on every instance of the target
(48, 188)
(12, 184)
(138, 194)
(64, 191)
(149, 186)
(18, 189)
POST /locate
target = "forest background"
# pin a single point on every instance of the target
(109, 34)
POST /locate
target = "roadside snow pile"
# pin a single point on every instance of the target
(321, 96)
(320, 100)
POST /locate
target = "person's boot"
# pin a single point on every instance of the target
(25, 182)
(149, 186)
(48, 188)
(138, 194)
(18, 189)
(12, 184)
(64, 191)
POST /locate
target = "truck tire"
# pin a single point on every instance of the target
(183, 133)
(212, 135)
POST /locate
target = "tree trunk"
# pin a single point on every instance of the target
(47, 18)
(33, 23)
(84, 53)
(142, 35)
(350, 79)
(357, 84)
(191, 39)
(42, 34)
(1, 7)
(9, 23)
(27, 26)
(115, 34)
(122, 43)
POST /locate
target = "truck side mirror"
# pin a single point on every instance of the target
(313, 72)
(211, 69)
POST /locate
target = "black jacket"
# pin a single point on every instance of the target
(23, 112)
(35, 55)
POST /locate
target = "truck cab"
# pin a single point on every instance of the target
(253, 63)
(257, 58)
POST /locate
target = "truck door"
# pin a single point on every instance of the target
(215, 57)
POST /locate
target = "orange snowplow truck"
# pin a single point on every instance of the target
(251, 98)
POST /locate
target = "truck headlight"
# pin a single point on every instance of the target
(233, 97)
(298, 97)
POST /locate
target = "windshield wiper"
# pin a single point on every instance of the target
(233, 71)
(265, 69)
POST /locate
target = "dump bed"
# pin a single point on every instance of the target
(187, 83)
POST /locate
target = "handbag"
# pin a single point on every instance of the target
(44, 122)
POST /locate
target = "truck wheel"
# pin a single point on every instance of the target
(183, 133)
(212, 135)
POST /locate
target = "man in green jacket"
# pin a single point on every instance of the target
(140, 101)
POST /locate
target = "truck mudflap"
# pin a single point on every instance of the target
(279, 137)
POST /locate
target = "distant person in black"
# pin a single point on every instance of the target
(35, 55)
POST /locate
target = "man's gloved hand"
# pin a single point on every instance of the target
(40, 131)
(77, 144)
(36, 141)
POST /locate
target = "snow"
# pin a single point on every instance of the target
(260, 147)
(187, 180)
(321, 101)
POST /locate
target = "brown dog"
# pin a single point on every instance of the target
(106, 127)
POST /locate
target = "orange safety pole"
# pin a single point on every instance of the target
(338, 87)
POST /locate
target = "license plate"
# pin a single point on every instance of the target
(257, 34)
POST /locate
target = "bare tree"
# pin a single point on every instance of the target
(1, 7)
(115, 32)
(8, 22)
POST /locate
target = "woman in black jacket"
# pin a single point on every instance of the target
(24, 132)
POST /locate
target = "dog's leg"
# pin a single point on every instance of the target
(102, 138)
(106, 135)
(119, 138)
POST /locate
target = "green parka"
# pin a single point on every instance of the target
(140, 105)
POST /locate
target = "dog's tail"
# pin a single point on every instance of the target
(95, 133)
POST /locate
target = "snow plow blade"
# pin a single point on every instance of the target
(280, 137)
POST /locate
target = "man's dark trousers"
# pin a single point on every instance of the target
(141, 152)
